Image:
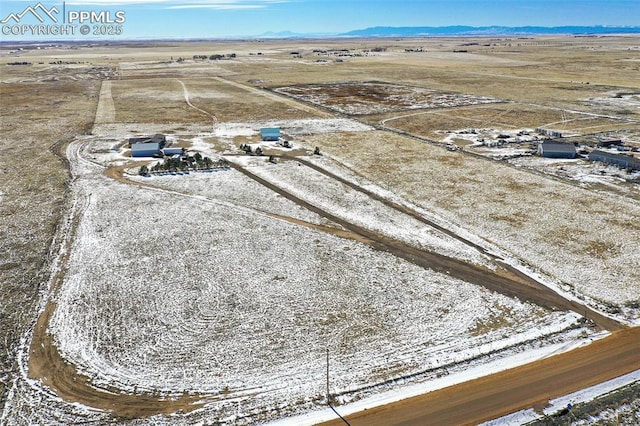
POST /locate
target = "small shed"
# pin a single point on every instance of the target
(556, 150)
(145, 149)
(607, 143)
(620, 160)
(173, 151)
(270, 133)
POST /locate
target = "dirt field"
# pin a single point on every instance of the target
(574, 85)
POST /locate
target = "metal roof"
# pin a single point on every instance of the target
(558, 147)
(271, 131)
(609, 157)
(145, 149)
(145, 146)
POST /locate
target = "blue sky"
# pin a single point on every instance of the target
(236, 18)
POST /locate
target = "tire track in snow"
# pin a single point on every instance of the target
(513, 283)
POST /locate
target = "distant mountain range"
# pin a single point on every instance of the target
(487, 31)
(460, 31)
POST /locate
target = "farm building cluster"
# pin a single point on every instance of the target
(547, 144)
(610, 158)
(179, 161)
(623, 156)
(156, 145)
(152, 146)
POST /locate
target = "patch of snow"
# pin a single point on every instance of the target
(291, 127)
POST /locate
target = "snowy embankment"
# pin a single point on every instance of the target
(453, 377)
(291, 127)
(171, 293)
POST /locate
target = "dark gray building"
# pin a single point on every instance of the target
(145, 149)
(620, 160)
(609, 143)
(157, 138)
(173, 151)
(556, 150)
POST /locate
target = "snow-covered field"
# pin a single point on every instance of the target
(582, 240)
(193, 287)
(358, 208)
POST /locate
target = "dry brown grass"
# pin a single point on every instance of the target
(37, 119)
(161, 100)
(46, 105)
(506, 116)
(157, 100)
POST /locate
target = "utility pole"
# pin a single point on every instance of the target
(328, 395)
(328, 400)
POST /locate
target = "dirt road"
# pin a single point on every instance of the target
(214, 119)
(528, 386)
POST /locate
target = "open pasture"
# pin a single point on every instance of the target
(362, 98)
(215, 287)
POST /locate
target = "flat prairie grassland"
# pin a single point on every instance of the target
(555, 227)
(37, 119)
(504, 116)
(153, 100)
(162, 100)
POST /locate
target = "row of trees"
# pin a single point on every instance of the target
(247, 148)
(214, 57)
(185, 163)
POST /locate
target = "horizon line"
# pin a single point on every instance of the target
(289, 35)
